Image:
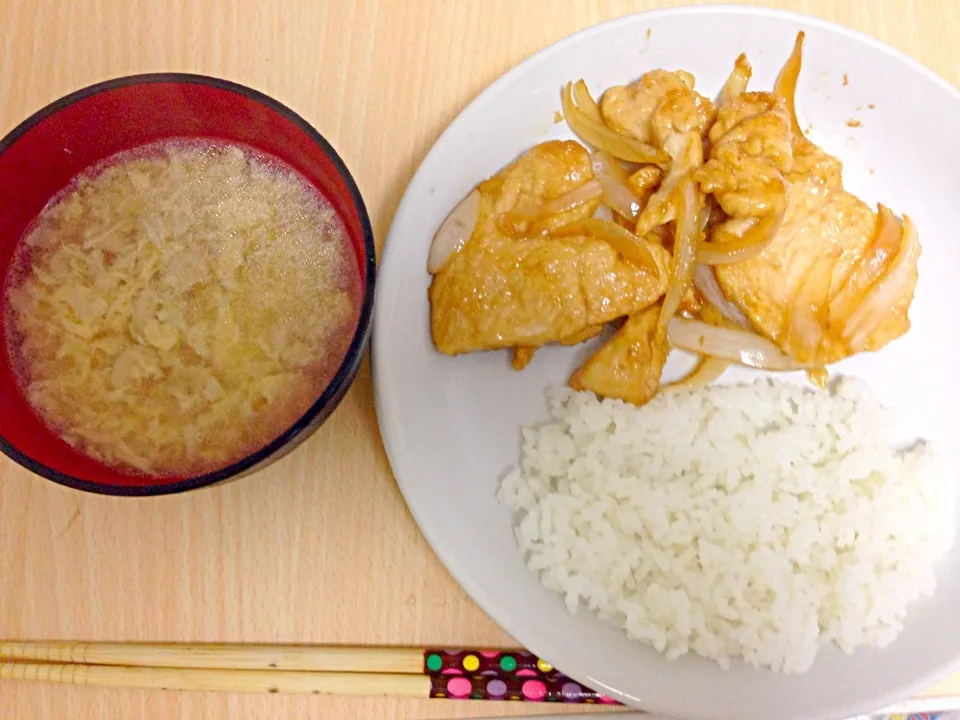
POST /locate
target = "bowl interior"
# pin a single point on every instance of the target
(40, 157)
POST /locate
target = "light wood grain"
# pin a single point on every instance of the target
(221, 680)
(232, 656)
(319, 548)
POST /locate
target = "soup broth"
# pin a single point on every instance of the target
(180, 306)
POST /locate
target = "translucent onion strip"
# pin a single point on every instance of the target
(871, 266)
(603, 138)
(707, 370)
(786, 84)
(585, 101)
(739, 346)
(736, 84)
(454, 232)
(633, 248)
(616, 192)
(705, 280)
(690, 206)
(753, 242)
(806, 322)
(517, 222)
(886, 292)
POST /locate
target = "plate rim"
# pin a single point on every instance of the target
(383, 404)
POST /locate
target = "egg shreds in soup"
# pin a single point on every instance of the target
(180, 306)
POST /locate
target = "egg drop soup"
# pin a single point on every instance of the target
(180, 306)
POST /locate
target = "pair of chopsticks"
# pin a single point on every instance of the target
(320, 670)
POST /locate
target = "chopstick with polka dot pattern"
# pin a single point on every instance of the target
(512, 675)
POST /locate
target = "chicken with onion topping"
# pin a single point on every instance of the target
(714, 227)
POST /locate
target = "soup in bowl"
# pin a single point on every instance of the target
(188, 275)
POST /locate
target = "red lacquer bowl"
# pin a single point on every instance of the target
(40, 157)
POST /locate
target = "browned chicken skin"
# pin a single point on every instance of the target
(501, 291)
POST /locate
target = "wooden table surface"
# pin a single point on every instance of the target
(320, 547)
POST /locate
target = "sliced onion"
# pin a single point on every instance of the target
(603, 213)
(616, 193)
(786, 84)
(736, 84)
(603, 138)
(753, 242)
(705, 280)
(686, 152)
(517, 222)
(705, 215)
(888, 289)
(739, 346)
(690, 206)
(871, 266)
(707, 370)
(585, 101)
(807, 318)
(633, 248)
(454, 232)
(590, 190)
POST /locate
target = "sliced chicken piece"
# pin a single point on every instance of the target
(825, 238)
(751, 147)
(589, 332)
(659, 104)
(644, 183)
(786, 291)
(811, 162)
(523, 354)
(662, 109)
(500, 291)
(629, 365)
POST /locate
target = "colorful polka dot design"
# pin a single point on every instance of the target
(489, 663)
(476, 687)
(502, 675)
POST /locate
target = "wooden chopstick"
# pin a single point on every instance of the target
(234, 656)
(222, 680)
(406, 672)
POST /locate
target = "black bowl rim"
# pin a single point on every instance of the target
(352, 360)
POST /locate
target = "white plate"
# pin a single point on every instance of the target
(450, 425)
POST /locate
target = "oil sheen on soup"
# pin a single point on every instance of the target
(180, 306)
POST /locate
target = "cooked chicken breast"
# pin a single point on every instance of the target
(500, 291)
(658, 105)
(759, 228)
(824, 231)
(662, 109)
(629, 365)
(751, 149)
(825, 237)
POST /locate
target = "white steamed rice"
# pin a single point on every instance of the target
(756, 521)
